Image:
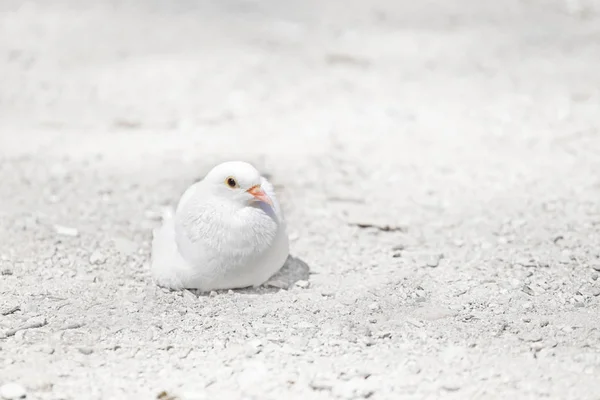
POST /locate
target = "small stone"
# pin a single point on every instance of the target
(537, 346)
(533, 338)
(526, 289)
(189, 297)
(11, 391)
(303, 284)
(434, 260)
(544, 323)
(413, 367)
(594, 276)
(7, 271)
(212, 293)
(230, 292)
(320, 384)
(66, 231)
(373, 306)
(527, 320)
(451, 387)
(85, 350)
(527, 305)
(565, 257)
(384, 335)
(97, 258)
(415, 322)
(527, 262)
(366, 331)
(558, 238)
(596, 292)
(596, 267)
(153, 215)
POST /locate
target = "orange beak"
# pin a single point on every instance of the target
(260, 195)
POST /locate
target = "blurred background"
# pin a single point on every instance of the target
(292, 75)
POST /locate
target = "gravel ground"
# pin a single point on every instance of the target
(437, 162)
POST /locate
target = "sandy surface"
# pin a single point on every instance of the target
(469, 128)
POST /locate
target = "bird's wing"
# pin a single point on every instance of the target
(188, 194)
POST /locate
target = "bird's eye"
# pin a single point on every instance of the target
(231, 182)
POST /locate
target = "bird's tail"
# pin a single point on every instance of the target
(167, 264)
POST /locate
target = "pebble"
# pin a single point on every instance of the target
(153, 215)
(97, 258)
(256, 343)
(544, 323)
(451, 387)
(413, 367)
(596, 267)
(434, 260)
(66, 231)
(189, 297)
(47, 350)
(533, 338)
(565, 257)
(526, 289)
(12, 391)
(303, 284)
(384, 335)
(321, 384)
(596, 292)
(527, 262)
(537, 346)
(567, 329)
(85, 350)
(373, 306)
(527, 305)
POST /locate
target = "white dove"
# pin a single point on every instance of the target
(227, 232)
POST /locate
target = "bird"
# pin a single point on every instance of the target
(228, 231)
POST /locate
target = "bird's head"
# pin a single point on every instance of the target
(237, 181)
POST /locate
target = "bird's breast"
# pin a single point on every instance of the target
(219, 233)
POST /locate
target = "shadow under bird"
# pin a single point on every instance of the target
(227, 232)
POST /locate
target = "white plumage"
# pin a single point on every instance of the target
(224, 234)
